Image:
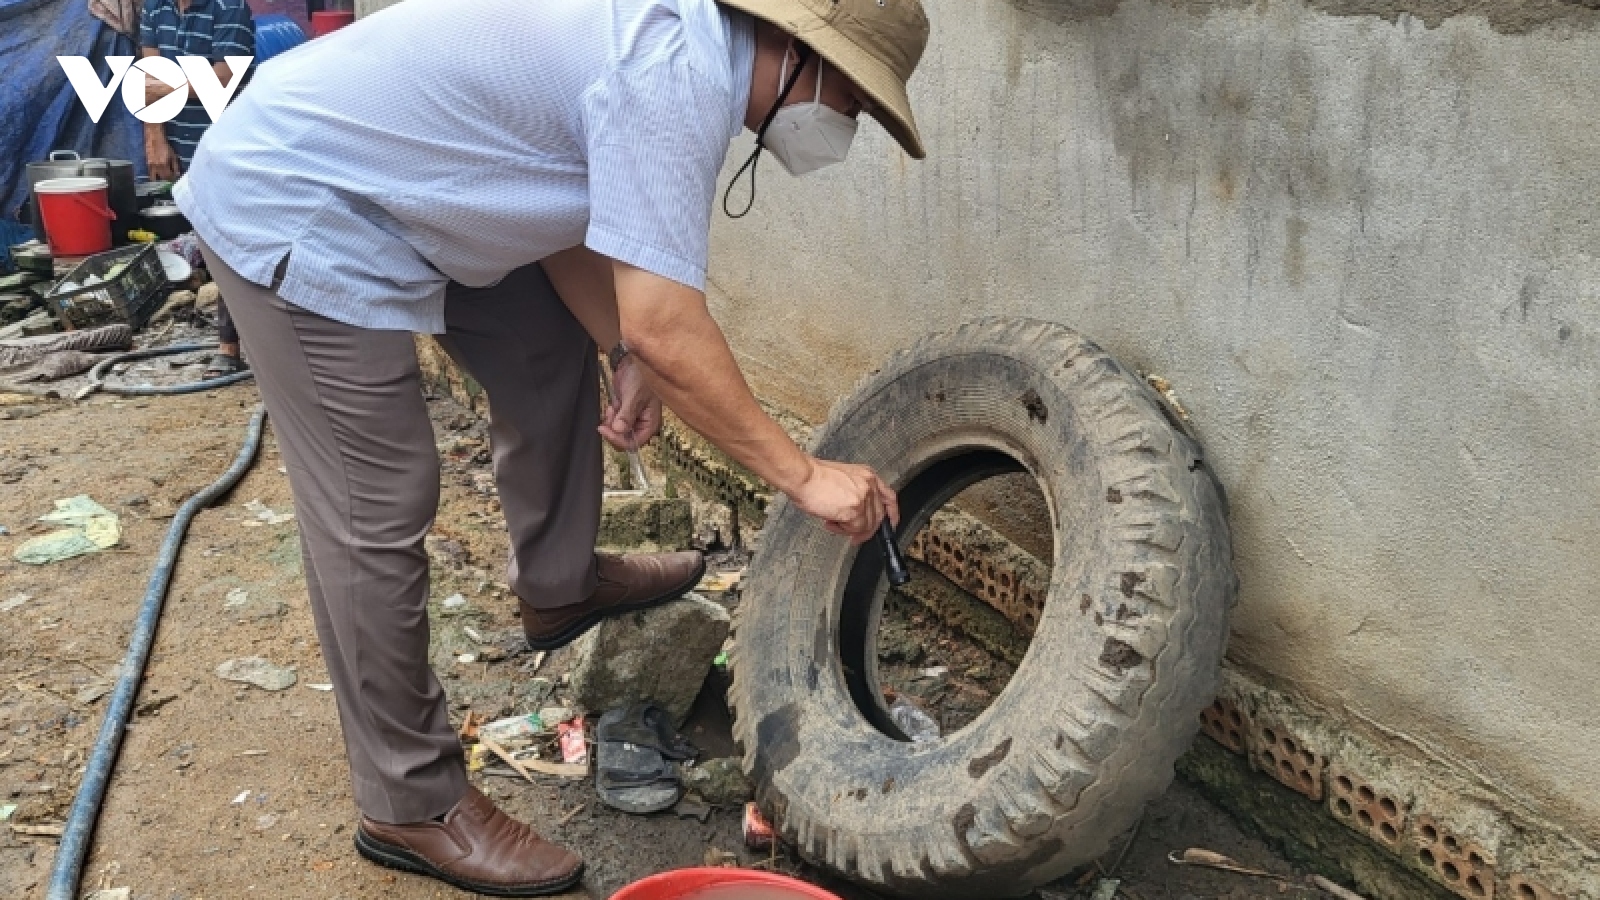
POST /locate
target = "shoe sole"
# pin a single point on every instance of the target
(403, 860)
(571, 632)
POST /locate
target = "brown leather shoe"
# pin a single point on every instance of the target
(627, 583)
(476, 848)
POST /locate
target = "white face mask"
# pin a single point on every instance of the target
(805, 137)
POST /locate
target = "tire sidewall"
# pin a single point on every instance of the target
(1067, 756)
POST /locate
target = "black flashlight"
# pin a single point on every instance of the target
(892, 563)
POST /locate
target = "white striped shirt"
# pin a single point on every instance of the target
(442, 139)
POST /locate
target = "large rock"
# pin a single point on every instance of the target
(661, 655)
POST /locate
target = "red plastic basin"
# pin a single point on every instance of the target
(721, 884)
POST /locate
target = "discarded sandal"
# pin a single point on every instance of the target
(222, 364)
(647, 725)
(636, 757)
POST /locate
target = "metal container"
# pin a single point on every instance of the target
(61, 164)
(121, 195)
(150, 193)
(164, 220)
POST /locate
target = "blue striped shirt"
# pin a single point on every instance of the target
(441, 139)
(214, 29)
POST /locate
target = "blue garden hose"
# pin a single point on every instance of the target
(98, 373)
(79, 828)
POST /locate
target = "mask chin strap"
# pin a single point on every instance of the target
(804, 53)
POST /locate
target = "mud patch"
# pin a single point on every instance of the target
(1037, 411)
(980, 766)
(1130, 581)
(780, 734)
(1119, 657)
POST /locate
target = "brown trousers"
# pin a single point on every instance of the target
(347, 407)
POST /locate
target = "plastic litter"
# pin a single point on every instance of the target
(78, 512)
(120, 893)
(88, 527)
(513, 733)
(320, 687)
(6, 811)
(454, 601)
(257, 671)
(264, 515)
(916, 724)
(757, 830)
(13, 602)
(719, 582)
(239, 800)
(574, 749)
(236, 598)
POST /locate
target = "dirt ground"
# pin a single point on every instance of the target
(224, 790)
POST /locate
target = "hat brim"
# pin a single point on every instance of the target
(891, 106)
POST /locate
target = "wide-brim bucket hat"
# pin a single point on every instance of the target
(875, 43)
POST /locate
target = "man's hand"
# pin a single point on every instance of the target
(679, 349)
(158, 155)
(634, 416)
(849, 499)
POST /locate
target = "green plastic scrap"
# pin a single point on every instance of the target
(88, 528)
(1106, 889)
(721, 661)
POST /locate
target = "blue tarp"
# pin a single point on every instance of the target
(39, 111)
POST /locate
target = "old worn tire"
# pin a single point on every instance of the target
(1108, 696)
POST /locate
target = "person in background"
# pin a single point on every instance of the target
(214, 29)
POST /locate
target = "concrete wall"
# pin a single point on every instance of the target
(1362, 244)
(366, 8)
